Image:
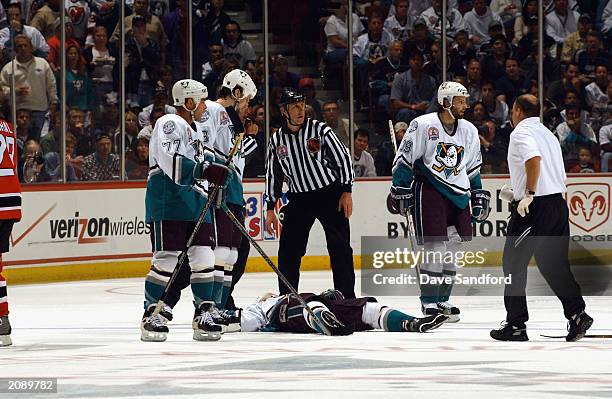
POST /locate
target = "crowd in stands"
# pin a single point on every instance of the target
(156, 55)
(491, 47)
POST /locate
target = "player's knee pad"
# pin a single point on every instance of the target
(232, 258)
(373, 314)
(222, 255)
(164, 262)
(201, 258)
(433, 256)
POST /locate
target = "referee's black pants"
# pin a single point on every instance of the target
(544, 234)
(299, 216)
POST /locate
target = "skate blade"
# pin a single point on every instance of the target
(5, 340)
(149, 336)
(201, 335)
(452, 318)
(233, 328)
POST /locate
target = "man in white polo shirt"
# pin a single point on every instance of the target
(538, 225)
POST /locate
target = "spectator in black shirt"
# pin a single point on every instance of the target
(556, 91)
(591, 56)
(512, 84)
(212, 71)
(493, 65)
(143, 54)
(420, 42)
(460, 53)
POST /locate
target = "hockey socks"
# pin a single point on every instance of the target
(445, 287)
(392, 320)
(430, 288)
(153, 291)
(227, 285)
(218, 285)
(383, 317)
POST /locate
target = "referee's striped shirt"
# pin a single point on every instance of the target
(310, 159)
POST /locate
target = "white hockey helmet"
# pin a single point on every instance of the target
(238, 77)
(450, 90)
(188, 88)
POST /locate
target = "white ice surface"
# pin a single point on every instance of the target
(86, 334)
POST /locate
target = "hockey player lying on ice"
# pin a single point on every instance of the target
(285, 314)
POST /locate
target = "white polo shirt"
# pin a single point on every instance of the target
(529, 139)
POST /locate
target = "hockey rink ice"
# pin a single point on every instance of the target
(86, 335)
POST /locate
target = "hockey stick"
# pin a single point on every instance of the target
(280, 275)
(393, 139)
(408, 216)
(209, 201)
(603, 336)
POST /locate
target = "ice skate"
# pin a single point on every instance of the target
(449, 310)
(424, 324)
(5, 331)
(204, 328)
(153, 328)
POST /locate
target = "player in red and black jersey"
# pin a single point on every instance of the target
(10, 213)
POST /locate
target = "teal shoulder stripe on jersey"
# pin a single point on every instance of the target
(402, 176)
(459, 200)
(475, 182)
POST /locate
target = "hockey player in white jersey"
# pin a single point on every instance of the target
(218, 126)
(236, 91)
(436, 174)
(179, 170)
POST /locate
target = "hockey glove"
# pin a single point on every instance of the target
(214, 173)
(506, 194)
(402, 200)
(481, 205)
(334, 325)
(523, 205)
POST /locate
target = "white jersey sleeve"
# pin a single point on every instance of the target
(411, 148)
(173, 149)
(473, 155)
(257, 315)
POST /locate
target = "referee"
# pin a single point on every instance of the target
(538, 224)
(317, 167)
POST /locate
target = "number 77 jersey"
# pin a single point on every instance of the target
(175, 190)
(10, 190)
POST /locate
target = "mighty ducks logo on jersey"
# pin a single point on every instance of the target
(205, 116)
(169, 127)
(450, 156)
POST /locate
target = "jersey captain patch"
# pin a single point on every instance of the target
(449, 156)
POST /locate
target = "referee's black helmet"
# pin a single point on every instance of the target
(290, 96)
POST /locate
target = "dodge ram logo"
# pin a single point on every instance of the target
(589, 204)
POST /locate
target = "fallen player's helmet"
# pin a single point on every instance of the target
(188, 88)
(450, 90)
(238, 77)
